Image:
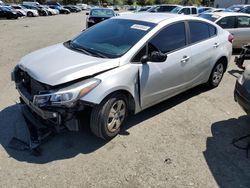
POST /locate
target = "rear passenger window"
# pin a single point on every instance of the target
(199, 31)
(243, 21)
(227, 22)
(212, 30)
(169, 39)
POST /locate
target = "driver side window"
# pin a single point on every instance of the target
(169, 39)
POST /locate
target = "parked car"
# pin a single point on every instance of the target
(213, 10)
(187, 10)
(246, 9)
(82, 6)
(7, 13)
(241, 90)
(144, 8)
(238, 24)
(41, 11)
(20, 13)
(203, 9)
(100, 70)
(29, 12)
(72, 8)
(60, 9)
(50, 10)
(31, 3)
(97, 15)
(162, 8)
(237, 8)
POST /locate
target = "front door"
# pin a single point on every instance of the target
(161, 80)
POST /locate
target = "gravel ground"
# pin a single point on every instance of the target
(182, 142)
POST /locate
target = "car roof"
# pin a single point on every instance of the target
(223, 14)
(152, 17)
(101, 9)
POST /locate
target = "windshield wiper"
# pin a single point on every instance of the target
(87, 50)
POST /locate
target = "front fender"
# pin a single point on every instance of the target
(123, 78)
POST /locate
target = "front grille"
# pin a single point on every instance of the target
(32, 86)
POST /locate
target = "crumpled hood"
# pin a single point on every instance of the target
(57, 64)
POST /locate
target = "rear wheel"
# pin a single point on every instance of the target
(108, 117)
(216, 75)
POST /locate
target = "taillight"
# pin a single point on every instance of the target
(230, 38)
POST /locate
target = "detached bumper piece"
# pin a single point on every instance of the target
(244, 55)
(38, 132)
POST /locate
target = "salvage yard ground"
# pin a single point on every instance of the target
(182, 142)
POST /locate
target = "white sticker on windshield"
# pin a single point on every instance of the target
(140, 27)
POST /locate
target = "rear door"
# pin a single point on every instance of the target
(203, 44)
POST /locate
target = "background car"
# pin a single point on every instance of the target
(7, 13)
(50, 10)
(187, 10)
(29, 12)
(41, 11)
(60, 9)
(97, 15)
(238, 24)
(82, 6)
(212, 10)
(162, 8)
(20, 12)
(203, 9)
(237, 8)
(72, 8)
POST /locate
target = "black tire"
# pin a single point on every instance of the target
(30, 14)
(216, 75)
(101, 116)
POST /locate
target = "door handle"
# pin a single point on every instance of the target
(185, 59)
(216, 45)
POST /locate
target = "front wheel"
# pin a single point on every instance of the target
(216, 75)
(108, 117)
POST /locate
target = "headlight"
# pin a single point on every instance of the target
(67, 96)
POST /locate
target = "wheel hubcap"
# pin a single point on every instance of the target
(218, 73)
(116, 115)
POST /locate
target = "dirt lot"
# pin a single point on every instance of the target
(183, 142)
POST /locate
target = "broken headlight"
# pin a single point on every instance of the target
(67, 96)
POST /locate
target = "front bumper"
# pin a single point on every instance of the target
(53, 116)
(242, 97)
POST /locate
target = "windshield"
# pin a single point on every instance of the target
(112, 38)
(235, 8)
(176, 9)
(210, 17)
(102, 12)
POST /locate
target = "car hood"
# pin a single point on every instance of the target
(57, 64)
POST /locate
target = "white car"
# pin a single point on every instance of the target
(100, 70)
(50, 10)
(186, 10)
(238, 24)
(29, 12)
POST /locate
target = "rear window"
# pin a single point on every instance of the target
(102, 12)
(210, 17)
(227, 22)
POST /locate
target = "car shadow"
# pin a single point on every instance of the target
(228, 164)
(69, 144)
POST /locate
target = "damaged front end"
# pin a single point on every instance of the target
(51, 108)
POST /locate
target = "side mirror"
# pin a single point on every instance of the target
(87, 13)
(156, 57)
